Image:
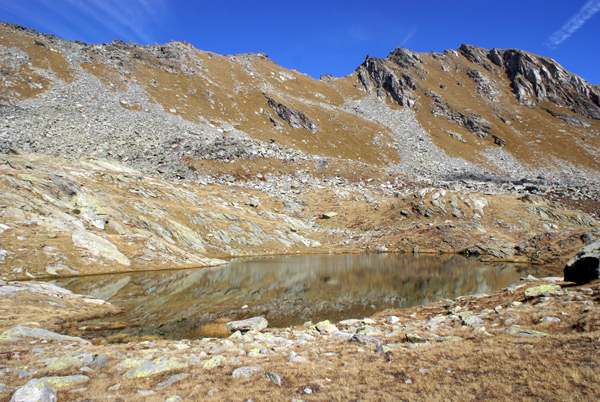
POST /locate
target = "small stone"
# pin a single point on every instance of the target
(328, 215)
(171, 380)
(350, 322)
(524, 332)
(174, 398)
(368, 330)
(275, 378)
(549, 319)
(392, 319)
(114, 387)
(246, 371)
(365, 339)
(326, 327)
(414, 338)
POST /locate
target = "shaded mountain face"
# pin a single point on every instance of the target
(471, 112)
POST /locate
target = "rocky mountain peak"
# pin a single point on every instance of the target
(539, 79)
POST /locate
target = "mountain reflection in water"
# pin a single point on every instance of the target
(289, 290)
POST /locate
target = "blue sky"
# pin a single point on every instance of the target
(329, 37)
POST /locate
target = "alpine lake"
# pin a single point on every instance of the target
(287, 291)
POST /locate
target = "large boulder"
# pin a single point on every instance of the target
(584, 267)
(36, 390)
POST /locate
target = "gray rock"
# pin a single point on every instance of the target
(156, 366)
(365, 339)
(18, 332)
(246, 371)
(82, 359)
(549, 319)
(99, 246)
(66, 382)
(392, 319)
(414, 338)
(524, 332)
(274, 377)
(472, 321)
(321, 164)
(250, 324)
(171, 380)
(36, 390)
(584, 267)
(328, 215)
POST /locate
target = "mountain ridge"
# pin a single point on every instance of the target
(464, 167)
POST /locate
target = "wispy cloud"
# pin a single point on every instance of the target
(408, 36)
(587, 11)
(129, 20)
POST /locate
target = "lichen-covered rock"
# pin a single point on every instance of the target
(250, 324)
(213, 362)
(81, 359)
(543, 290)
(584, 267)
(37, 390)
(368, 330)
(66, 382)
(131, 363)
(159, 365)
(326, 327)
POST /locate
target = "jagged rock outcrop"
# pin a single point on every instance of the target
(472, 121)
(539, 79)
(295, 118)
(375, 75)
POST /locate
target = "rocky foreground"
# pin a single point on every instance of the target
(535, 340)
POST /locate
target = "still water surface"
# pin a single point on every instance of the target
(288, 290)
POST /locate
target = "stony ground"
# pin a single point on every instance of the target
(535, 340)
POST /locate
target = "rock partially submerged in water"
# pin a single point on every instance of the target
(584, 267)
(250, 324)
